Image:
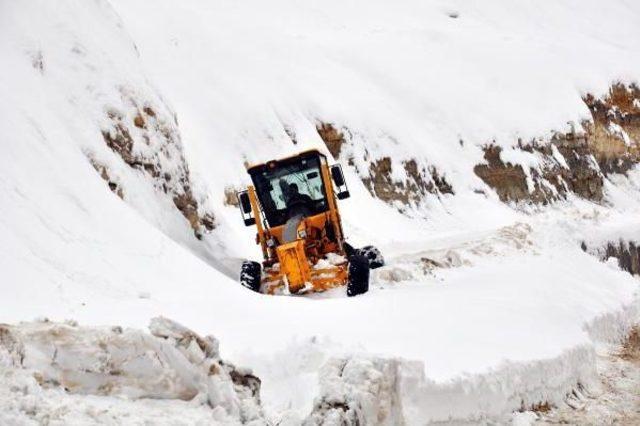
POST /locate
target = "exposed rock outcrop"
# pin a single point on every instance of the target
(626, 252)
(565, 166)
(614, 134)
(332, 137)
(419, 182)
(576, 162)
(149, 141)
(508, 180)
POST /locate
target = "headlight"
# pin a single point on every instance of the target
(302, 233)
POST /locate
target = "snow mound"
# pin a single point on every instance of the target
(358, 391)
(170, 363)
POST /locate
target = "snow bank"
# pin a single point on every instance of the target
(172, 363)
(24, 402)
(46, 367)
(391, 391)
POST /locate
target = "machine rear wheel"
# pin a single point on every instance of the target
(373, 255)
(358, 275)
(250, 275)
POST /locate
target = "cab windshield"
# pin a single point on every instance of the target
(290, 189)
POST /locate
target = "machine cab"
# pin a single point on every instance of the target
(291, 187)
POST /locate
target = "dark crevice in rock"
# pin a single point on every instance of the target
(438, 183)
(583, 176)
(104, 174)
(627, 254)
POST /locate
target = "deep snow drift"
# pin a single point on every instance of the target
(482, 309)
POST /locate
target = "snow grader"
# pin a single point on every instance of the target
(293, 203)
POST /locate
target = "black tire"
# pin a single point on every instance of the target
(373, 255)
(348, 248)
(358, 275)
(250, 275)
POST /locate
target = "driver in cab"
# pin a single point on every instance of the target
(297, 202)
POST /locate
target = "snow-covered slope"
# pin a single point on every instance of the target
(412, 80)
(125, 122)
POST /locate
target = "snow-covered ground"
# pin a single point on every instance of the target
(482, 308)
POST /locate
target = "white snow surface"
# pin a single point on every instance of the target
(509, 313)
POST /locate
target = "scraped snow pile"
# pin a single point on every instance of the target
(124, 129)
(43, 361)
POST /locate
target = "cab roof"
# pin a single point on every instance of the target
(284, 160)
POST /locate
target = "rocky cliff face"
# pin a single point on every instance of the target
(419, 181)
(614, 133)
(567, 166)
(576, 162)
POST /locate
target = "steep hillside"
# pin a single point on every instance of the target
(491, 152)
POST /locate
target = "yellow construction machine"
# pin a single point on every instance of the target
(293, 203)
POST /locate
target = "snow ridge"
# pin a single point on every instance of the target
(172, 363)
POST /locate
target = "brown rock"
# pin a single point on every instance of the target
(419, 183)
(138, 121)
(631, 346)
(165, 143)
(230, 198)
(332, 137)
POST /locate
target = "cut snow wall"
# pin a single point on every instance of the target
(392, 391)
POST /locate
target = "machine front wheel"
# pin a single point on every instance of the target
(373, 255)
(358, 275)
(250, 275)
